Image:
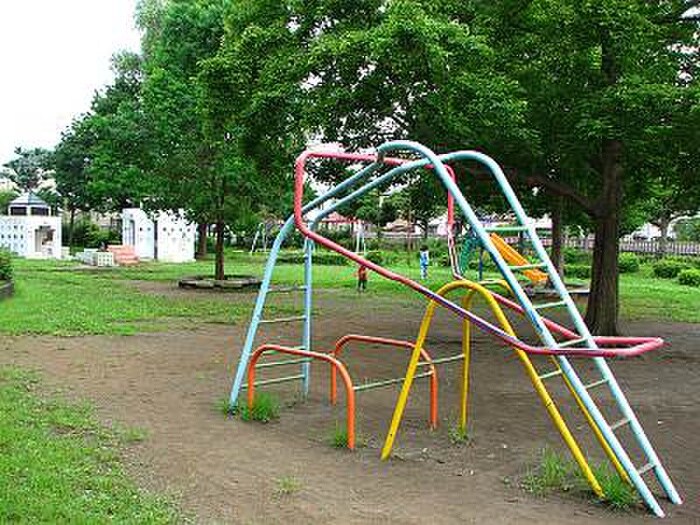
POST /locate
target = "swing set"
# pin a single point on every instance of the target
(561, 346)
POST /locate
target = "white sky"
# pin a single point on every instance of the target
(54, 54)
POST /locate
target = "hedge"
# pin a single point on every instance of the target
(5, 265)
(628, 263)
(689, 277)
(322, 258)
(669, 268)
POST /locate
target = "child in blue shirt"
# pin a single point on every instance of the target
(424, 259)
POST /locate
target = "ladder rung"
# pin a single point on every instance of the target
(283, 319)
(553, 373)
(282, 363)
(441, 360)
(387, 382)
(571, 342)
(618, 424)
(528, 266)
(274, 381)
(554, 304)
(596, 383)
(646, 468)
(301, 347)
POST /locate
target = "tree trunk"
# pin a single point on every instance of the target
(219, 264)
(202, 240)
(557, 251)
(71, 227)
(664, 224)
(603, 301)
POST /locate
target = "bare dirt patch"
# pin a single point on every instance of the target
(226, 471)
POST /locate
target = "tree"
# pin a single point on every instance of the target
(28, 170)
(601, 78)
(70, 162)
(191, 167)
(6, 197)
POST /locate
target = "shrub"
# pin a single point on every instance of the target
(576, 256)
(323, 258)
(669, 268)
(581, 271)
(689, 277)
(5, 265)
(376, 257)
(628, 263)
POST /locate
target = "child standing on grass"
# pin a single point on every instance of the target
(424, 259)
(361, 278)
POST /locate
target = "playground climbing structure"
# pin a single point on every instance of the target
(559, 343)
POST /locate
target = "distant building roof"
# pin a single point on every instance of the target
(29, 199)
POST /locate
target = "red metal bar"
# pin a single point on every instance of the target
(343, 341)
(335, 364)
(478, 321)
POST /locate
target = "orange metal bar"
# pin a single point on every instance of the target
(335, 364)
(343, 341)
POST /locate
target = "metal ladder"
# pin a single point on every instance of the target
(257, 321)
(651, 461)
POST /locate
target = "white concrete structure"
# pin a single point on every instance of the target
(168, 237)
(29, 229)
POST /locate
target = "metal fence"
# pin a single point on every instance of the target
(650, 247)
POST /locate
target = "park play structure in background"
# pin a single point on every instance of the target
(561, 345)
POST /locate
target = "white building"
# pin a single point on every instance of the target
(30, 230)
(167, 237)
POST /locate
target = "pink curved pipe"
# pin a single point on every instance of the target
(647, 345)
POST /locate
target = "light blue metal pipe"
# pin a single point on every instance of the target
(308, 298)
(267, 278)
(581, 327)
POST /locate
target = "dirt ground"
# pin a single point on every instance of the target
(222, 470)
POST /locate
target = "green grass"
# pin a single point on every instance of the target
(553, 473)
(51, 298)
(57, 465)
(287, 485)
(458, 435)
(339, 437)
(266, 408)
(643, 296)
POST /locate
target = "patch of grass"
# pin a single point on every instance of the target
(339, 437)
(224, 406)
(458, 435)
(619, 494)
(287, 486)
(554, 473)
(58, 465)
(131, 435)
(266, 408)
(551, 474)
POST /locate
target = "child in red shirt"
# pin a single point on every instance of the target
(361, 278)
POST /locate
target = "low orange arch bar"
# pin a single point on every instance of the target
(343, 342)
(335, 365)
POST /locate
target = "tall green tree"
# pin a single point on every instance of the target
(197, 163)
(70, 162)
(602, 79)
(29, 168)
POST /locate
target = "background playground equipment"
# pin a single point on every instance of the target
(512, 256)
(576, 342)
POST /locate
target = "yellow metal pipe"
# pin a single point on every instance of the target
(475, 288)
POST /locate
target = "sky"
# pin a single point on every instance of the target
(54, 55)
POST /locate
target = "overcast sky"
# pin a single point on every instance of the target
(54, 54)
